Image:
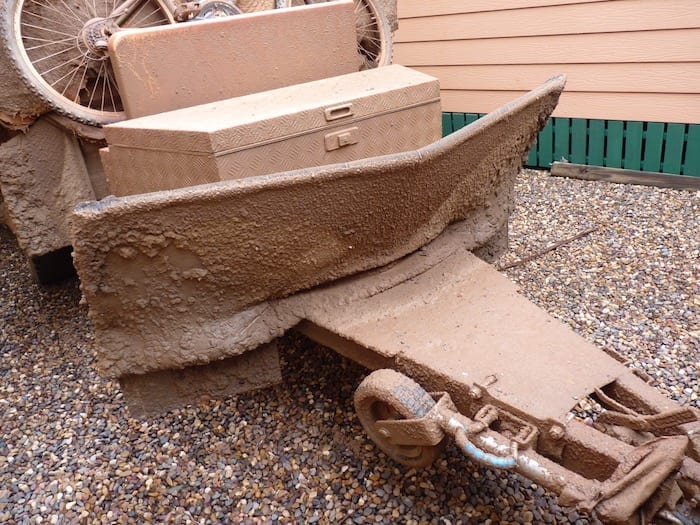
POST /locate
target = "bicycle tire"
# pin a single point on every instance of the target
(379, 52)
(40, 31)
(374, 41)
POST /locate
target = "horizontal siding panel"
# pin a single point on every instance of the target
(652, 78)
(680, 45)
(418, 8)
(684, 108)
(626, 60)
(607, 17)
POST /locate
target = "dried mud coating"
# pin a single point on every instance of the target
(297, 452)
(386, 394)
(19, 106)
(66, 72)
(148, 63)
(24, 96)
(248, 6)
(347, 117)
(159, 392)
(188, 274)
(43, 176)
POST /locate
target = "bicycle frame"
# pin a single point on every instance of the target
(125, 10)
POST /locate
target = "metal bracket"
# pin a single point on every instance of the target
(426, 431)
(516, 429)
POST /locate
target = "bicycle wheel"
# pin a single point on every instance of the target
(58, 49)
(373, 33)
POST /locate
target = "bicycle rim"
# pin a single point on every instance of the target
(373, 35)
(50, 51)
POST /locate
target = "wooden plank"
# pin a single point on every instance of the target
(607, 17)
(562, 135)
(532, 158)
(646, 107)
(446, 124)
(458, 121)
(418, 8)
(596, 142)
(633, 145)
(649, 46)
(471, 117)
(545, 145)
(673, 148)
(653, 146)
(691, 163)
(649, 107)
(579, 140)
(674, 77)
(622, 176)
(614, 139)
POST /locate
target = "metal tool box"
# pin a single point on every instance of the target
(335, 120)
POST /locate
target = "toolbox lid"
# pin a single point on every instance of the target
(238, 123)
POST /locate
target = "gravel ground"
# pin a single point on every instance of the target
(69, 453)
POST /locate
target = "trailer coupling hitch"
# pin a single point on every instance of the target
(491, 460)
(444, 419)
(410, 425)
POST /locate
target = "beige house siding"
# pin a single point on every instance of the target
(625, 59)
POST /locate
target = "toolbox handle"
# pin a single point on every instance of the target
(338, 112)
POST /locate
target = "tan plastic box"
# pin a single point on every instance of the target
(339, 119)
(181, 65)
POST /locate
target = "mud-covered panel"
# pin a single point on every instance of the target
(19, 106)
(43, 176)
(291, 46)
(340, 119)
(465, 323)
(158, 392)
(156, 266)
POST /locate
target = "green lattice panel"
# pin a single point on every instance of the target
(647, 146)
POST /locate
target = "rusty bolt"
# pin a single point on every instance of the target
(475, 392)
(556, 432)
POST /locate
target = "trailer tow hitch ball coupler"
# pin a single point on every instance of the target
(410, 425)
(471, 450)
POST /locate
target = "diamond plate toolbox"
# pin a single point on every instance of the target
(339, 119)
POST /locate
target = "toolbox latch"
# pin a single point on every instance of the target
(342, 138)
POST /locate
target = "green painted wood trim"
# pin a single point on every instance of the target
(614, 143)
(673, 148)
(649, 146)
(653, 147)
(458, 120)
(562, 139)
(691, 162)
(596, 143)
(532, 158)
(634, 133)
(447, 124)
(579, 140)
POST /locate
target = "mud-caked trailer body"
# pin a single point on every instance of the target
(58, 87)
(342, 214)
